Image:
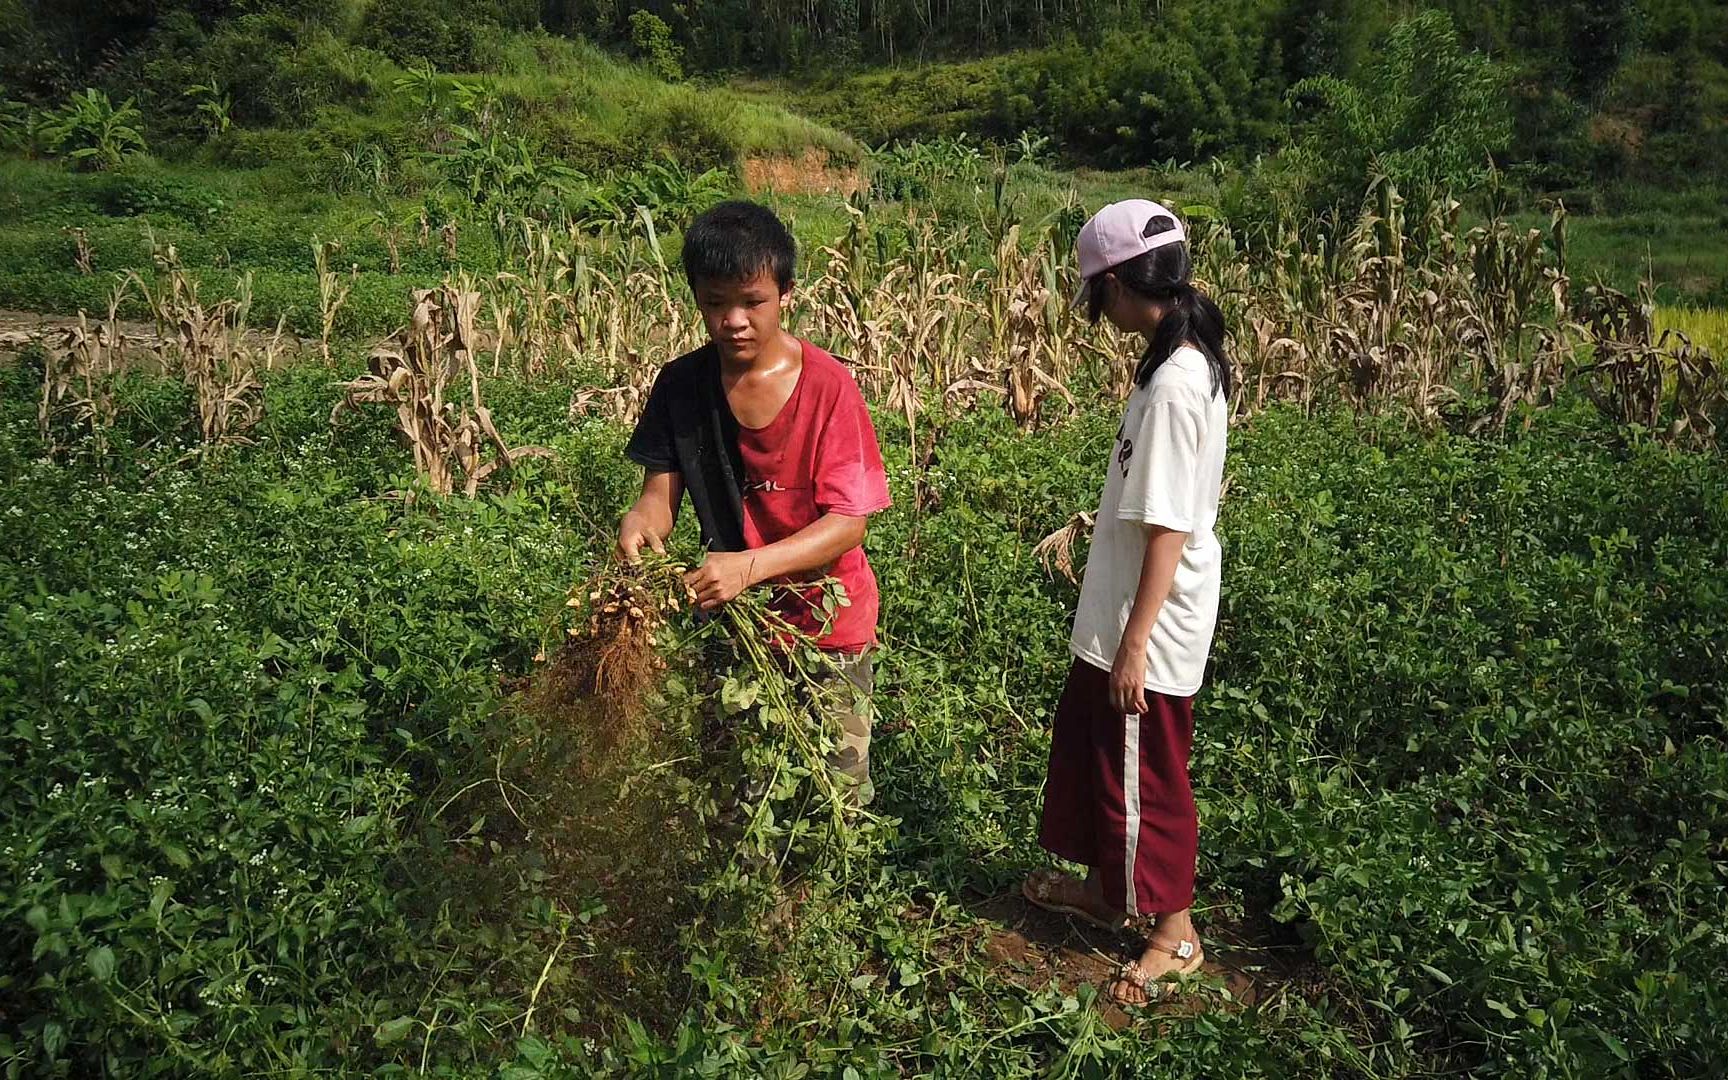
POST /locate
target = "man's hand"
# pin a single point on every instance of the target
(632, 535)
(1128, 678)
(721, 577)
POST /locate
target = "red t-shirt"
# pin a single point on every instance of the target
(818, 456)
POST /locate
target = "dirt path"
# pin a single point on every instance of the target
(1034, 948)
(21, 329)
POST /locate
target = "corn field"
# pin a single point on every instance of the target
(1413, 313)
(210, 347)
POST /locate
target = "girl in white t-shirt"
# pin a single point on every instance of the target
(1117, 798)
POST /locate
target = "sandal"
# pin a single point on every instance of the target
(1156, 988)
(1040, 891)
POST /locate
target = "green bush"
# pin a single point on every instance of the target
(93, 133)
(145, 192)
(438, 32)
(671, 193)
(652, 39)
(278, 70)
(915, 171)
(367, 152)
(1426, 113)
(259, 148)
(574, 141)
(692, 127)
(1202, 83)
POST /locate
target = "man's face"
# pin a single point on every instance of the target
(742, 316)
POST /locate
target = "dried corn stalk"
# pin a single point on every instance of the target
(1056, 551)
(1700, 391)
(81, 255)
(333, 291)
(1410, 313)
(75, 380)
(211, 349)
(412, 371)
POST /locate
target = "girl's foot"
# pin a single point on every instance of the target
(1148, 979)
(1055, 891)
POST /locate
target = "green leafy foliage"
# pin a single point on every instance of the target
(497, 172)
(431, 32)
(670, 193)
(1463, 739)
(1425, 113)
(214, 106)
(1201, 83)
(93, 133)
(915, 171)
(652, 40)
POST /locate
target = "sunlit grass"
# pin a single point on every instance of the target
(1707, 327)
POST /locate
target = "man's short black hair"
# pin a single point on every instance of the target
(737, 240)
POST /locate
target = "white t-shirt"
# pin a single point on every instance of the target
(1166, 470)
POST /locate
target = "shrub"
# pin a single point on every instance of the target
(274, 70)
(673, 194)
(23, 129)
(913, 171)
(652, 39)
(437, 32)
(258, 148)
(140, 192)
(580, 144)
(341, 141)
(1426, 113)
(694, 128)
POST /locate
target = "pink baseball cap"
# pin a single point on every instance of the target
(1118, 233)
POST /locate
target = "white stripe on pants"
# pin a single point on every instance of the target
(1131, 802)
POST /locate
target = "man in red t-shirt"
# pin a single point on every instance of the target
(769, 436)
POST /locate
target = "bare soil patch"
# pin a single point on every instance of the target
(1034, 948)
(812, 173)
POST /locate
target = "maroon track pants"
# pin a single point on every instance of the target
(1117, 795)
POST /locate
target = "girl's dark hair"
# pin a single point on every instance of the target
(737, 240)
(1165, 273)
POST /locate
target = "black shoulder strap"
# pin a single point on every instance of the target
(708, 443)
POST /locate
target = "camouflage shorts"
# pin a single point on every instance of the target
(847, 681)
(854, 708)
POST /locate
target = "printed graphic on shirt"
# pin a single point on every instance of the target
(1124, 453)
(753, 485)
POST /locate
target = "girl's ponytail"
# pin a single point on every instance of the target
(1165, 273)
(1193, 319)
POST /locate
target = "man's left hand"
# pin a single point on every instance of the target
(721, 577)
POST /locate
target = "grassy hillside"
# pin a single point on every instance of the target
(414, 173)
(577, 104)
(300, 131)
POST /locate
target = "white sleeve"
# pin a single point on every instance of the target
(1163, 465)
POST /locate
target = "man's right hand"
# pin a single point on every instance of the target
(632, 535)
(650, 520)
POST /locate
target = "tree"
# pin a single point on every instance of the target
(1427, 114)
(653, 41)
